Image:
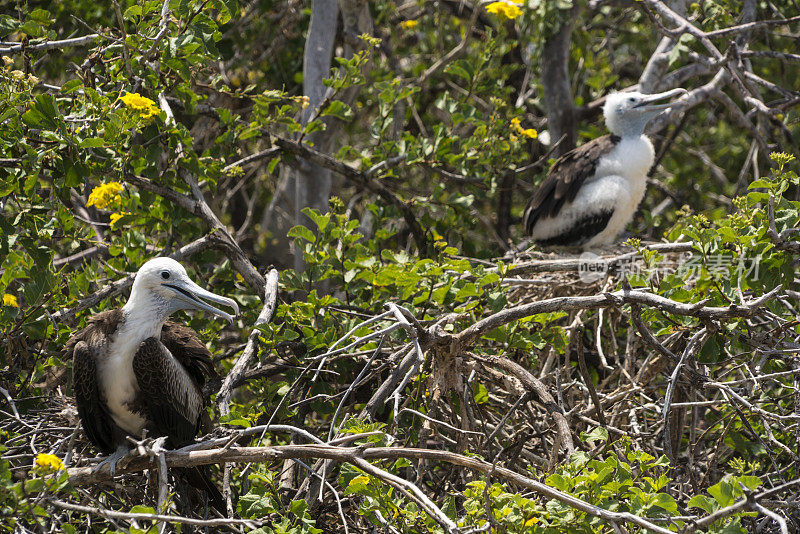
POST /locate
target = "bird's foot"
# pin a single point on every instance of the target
(149, 446)
(113, 460)
(158, 445)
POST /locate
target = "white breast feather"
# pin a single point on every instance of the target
(117, 379)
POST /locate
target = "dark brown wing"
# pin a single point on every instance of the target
(172, 396)
(582, 232)
(189, 350)
(101, 325)
(565, 179)
(95, 419)
(170, 374)
(83, 349)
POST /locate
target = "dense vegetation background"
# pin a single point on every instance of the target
(368, 163)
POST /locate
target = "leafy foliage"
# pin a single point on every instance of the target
(117, 148)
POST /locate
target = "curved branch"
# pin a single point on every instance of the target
(241, 365)
(357, 456)
(536, 386)
(607, 300)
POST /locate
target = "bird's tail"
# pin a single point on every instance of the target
(200, 478)
(530, 216)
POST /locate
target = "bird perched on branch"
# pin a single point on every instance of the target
(592, 192)
(134, 370)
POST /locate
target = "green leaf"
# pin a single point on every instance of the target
(33, 118)
(750, 482)
(338, 109)
(256, 503)
(460, 68)
(559, 482)
(298, 507)
(301, 232)
(91, 142)
(723, 493)
(760, 184)
(272, 164)
(596, 434)
(141, 509)
(481, 394)
(666, 502)
(71, 86)
(702, 502)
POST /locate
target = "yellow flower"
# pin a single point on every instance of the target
(105, 194)
(117, 216)
(527, 132)
(8, 61)
(49, 462)
(306, 101)
(137, 101)
(507, 9)
(146, 107)
(409, 24)
(18, 75)
(10, 301)
(781, 158)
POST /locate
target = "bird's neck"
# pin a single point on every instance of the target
(629, 130)
(144, 317)
(631, 125)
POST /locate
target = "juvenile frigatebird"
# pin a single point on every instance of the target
(135, 370)
(592, 192)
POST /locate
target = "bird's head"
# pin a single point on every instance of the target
(629, 113)
(162, 287)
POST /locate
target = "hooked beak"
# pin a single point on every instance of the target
(645, 104)
(190, 294)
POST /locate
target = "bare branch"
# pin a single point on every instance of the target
(48, 45)
(241, 365)
(134, 516)
(617, 298)
(358, 457)
(536, 386)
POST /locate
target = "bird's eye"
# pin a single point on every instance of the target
(165, 275)
(631, 99)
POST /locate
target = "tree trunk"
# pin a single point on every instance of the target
(307, 184)
(557, 91)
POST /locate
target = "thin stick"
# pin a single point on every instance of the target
(241, 365)
(133, 516)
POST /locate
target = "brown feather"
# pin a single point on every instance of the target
(189, 350)
(566, 178)
(82, 348)
(103, 324)
(94, 341)
(173, 399)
